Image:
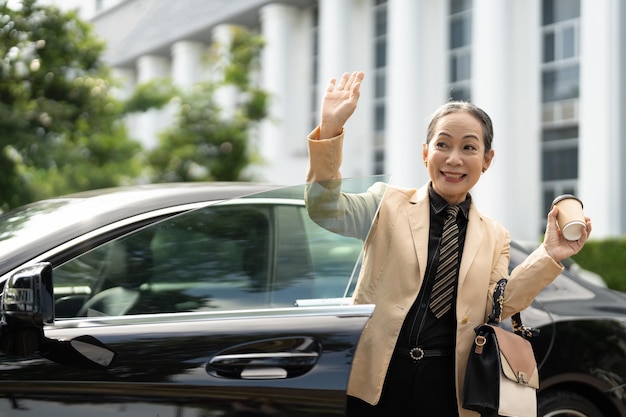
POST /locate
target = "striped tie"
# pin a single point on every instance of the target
(443, 288)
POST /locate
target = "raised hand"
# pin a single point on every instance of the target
(339, 103)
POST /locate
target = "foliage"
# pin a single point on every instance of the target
(606, 257)
(208, 142)
(62, 130)
(60, 127)
(153, 94)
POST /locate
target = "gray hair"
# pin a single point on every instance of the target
(462, 106)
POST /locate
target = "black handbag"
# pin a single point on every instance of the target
(501, 378)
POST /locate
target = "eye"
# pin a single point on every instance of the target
(441, 145)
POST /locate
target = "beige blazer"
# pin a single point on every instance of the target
(394, 264)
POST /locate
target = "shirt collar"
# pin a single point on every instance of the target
(439, 204)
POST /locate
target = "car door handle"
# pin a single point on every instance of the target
(267, 359)
(275, 365)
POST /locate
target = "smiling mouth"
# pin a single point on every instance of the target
(452, 175)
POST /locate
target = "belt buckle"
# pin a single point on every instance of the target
(416, 353)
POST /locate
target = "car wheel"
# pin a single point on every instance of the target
(566, 404)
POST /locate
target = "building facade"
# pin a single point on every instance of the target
(549, 72)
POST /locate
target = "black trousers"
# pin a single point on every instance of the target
(413, 389)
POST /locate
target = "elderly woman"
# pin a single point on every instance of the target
(431, 261)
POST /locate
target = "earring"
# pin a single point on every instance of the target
(426, 164)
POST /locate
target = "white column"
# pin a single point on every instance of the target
(187, 67)
(334, 35)
(338, 54)
(127, 77)
(278, 79)
(415, 83)
(621, 88)
(504, 84)
(526, 217)
(601, 178)
(287, 74)
(226, 96)
(361, 136)
(150, 67)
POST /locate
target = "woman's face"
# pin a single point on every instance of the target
(455, 155)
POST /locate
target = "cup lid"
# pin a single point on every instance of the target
(565, 197)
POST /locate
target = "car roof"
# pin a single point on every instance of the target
(52, 222)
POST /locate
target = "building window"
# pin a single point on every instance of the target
(460, 53)
(560, 83)
(380, 79)
(559, 11)
(560, 76)
(560, 154)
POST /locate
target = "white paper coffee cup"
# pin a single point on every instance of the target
(571, 218)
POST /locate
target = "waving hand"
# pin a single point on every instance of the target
(339, 103)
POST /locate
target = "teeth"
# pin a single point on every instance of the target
(453, 175)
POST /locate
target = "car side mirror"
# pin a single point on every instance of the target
(28, 297)
(26, 306)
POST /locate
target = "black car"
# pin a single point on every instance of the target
(227, 300)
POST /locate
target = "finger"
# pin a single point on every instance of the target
(552, 214)
(331, 85)
(344, 80)
(554, 211)
(552, 228)
(355, 93)
(351, 80)
(584, 235)
(356, 86)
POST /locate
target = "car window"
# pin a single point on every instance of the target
(212, 258)
(262, 251)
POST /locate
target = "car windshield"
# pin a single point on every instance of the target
(264, 250)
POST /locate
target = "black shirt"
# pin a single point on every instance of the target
(421, 327)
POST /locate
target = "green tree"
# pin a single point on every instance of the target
(206, 142)
(61, 129)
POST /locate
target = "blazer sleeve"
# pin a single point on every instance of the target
(528, 279)
(348, 214)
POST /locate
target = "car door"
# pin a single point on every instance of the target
(287, 362)
(233, 309)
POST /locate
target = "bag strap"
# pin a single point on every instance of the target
(516, 320)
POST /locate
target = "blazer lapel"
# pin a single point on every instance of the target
(418, 214)
(473, 240)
